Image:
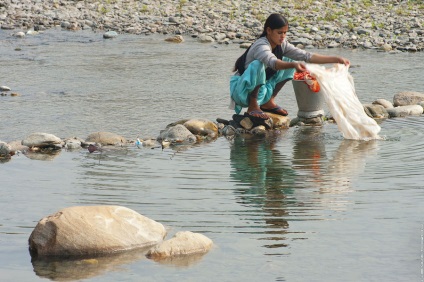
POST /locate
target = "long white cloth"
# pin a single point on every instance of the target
(339, 93)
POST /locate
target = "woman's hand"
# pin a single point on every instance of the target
(300, 67)
(342, 60)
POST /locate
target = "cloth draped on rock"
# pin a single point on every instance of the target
(242, 85)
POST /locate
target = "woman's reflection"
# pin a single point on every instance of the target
(284, 188)
(265, 180)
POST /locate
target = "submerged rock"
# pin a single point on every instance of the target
(183, 243)
(93, 230)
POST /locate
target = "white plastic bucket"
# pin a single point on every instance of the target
(310, 103)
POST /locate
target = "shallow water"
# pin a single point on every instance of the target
(300, 205)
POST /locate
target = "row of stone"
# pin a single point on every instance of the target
(380, 24)
(186, 132)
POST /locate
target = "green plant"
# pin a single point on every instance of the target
(181, 5)
(144, 8)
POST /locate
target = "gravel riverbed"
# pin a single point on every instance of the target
(389, 25)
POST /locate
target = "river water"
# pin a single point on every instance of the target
(300, 205)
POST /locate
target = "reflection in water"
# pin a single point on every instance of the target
(183, 261)
(284, 189)
(60, 269)
(43, 156)
(267, 180)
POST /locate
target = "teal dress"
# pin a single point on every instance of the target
(242, 85)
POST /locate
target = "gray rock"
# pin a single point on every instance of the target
(72, 144)
(93, 230)
(17, 146)
(106, 138)
(229, 131)
(259, 130)
(403, 111)
(5, 150)
(205, 38)
(376, 111)
(41, 140)
(19, 34)
(110, 34)
(177, 134)
(407, 98)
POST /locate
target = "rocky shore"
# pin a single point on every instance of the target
(390, 25)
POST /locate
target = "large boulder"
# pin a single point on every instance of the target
(106, 138)
(408, 98)
(183, 243)
(93, 230)
(202, 127)
(41, 140)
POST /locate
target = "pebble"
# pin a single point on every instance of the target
(396, 25)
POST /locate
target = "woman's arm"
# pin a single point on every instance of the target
(282, 65)
(323, 59)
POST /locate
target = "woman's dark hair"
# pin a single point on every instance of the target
(274, 21)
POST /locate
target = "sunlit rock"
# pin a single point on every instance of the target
(175, 39)
(183, 243)
(385, 103)
(404, 111)
(93, 230)
(19, 34)
(279, 121)
(41, 140)
(246, 123)
(202, 127)
(106, 138)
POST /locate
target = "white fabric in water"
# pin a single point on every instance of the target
(339, 93)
